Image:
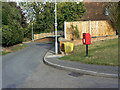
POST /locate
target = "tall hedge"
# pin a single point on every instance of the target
(12, 31)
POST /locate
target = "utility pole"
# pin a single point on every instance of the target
(56, 44)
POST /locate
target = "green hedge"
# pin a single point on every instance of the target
(12, 31)
(11, 36)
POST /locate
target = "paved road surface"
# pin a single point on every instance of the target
(16, 67)
(25, 69)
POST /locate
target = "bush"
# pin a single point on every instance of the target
(0, 36)
(11, 36)
(6, 35)
(75, 31)
(28, 32)
(4, 17)
(12, 31)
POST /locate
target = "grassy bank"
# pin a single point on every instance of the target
(101, 53)
(13, 49)
(26, 39)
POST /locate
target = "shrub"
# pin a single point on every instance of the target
(12, 31)
(28, 32)
(75, 31)
(11, 36)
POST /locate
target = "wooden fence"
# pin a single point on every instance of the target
(43, 35)
(95, 28)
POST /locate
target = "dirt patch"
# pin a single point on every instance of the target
(12, 49)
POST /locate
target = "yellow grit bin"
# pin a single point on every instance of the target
(68, 47)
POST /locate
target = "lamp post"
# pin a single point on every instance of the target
(32, 33)
(56, 44)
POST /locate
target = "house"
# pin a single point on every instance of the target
(95, 11)
(95, 21)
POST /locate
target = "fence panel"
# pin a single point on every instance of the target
(98, 28)
(43, 35)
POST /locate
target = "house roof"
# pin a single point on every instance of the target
(95, 11)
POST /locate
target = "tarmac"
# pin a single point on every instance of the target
(88, 69)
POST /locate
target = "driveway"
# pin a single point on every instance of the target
(25, 69)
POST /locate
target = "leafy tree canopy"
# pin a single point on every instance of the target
(114, 14)
(44, 14)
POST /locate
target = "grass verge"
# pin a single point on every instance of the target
(100, 53)
(13, 49)
(26, 39)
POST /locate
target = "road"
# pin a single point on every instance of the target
(16, 67)
(25, 69)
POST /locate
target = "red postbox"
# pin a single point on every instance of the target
(86, 39)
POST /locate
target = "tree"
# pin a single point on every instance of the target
(45, 20)
(69, 11)
(45, 15)
(0, 23)
(114, 14)
(30, 11)
(12, 31)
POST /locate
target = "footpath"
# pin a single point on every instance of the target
(89, 69)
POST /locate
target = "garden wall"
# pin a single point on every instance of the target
(95, 28)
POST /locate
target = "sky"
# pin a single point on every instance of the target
(46, 0)
(64, 0)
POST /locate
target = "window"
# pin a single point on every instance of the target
(106, 11)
